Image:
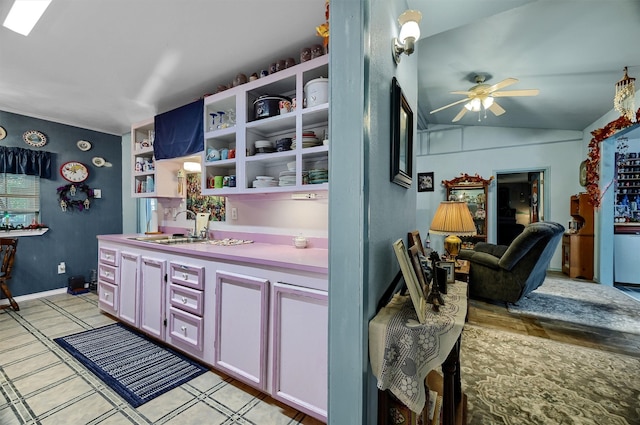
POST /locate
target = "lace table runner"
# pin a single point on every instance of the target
(403, 351)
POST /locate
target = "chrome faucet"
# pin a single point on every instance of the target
(187, 212)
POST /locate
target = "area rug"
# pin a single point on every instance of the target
(583, 303)
(131, 364)
(516, 379)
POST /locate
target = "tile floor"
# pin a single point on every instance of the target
(41, 384)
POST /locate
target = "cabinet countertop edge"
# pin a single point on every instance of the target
(313, 260)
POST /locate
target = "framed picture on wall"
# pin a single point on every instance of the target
(401, 137)
(425, 182)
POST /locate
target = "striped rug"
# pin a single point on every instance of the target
(131, 364)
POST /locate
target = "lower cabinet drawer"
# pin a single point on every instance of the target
(108, 273)
(187, 299)
(108, 297)
(186, 329)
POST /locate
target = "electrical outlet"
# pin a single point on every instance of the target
(62, 268)
(234, 213)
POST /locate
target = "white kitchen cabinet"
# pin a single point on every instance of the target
(152, 296)
(129, 277)
(108, 277)
(625, 257)
(300, 355)
(186, 306)
(151, 178)
(241, 137)
(242, 304)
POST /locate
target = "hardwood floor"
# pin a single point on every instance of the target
(496, 315)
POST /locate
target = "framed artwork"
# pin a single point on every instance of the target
(450, 267)
(401, 137)
(414, 255)
(413, 238)
(411, 279)
(425, 182)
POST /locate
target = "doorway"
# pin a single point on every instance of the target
(520, 202)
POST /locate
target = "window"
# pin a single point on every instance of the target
(19, 199)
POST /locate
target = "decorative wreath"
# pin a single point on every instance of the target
(67, 193)
(593, 158)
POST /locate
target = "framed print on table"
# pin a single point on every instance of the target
(450, 267)
(411, 279)
(401, 137)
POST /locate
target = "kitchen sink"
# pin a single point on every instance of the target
(168, 240)
(175, 240)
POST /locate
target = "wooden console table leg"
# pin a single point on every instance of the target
(451, 387)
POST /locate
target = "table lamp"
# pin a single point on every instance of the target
(454, 219)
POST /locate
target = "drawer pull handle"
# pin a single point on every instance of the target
(184, 330)
(184, 300)
(185, 276)
(106, 296)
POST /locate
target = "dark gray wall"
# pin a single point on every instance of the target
(72, 235)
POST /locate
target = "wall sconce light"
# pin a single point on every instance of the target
(409, 34)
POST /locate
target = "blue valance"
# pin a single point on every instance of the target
(25, 161)
(179, 132)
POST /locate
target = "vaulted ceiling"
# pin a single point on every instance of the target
(104, 64)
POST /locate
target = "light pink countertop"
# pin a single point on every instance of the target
(276, 255)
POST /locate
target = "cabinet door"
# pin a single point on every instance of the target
(152, 289)
(241, 327)
(300, 347)
(129, 276)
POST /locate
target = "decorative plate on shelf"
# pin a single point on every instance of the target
(34, 138)
(83, 145)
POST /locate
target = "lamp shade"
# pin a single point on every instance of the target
(453, 218)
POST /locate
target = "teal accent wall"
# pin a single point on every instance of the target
(367, 213)
(72, 234)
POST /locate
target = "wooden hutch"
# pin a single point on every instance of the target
(473, 190)
(577, 242)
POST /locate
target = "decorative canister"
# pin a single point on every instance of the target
(232, 180)
(316, 92)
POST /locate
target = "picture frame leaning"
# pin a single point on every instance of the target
(415, 290)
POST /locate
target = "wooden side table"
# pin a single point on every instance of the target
(403, 351)
(462, 272)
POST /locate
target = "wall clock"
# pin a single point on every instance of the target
(34, 138)
(3, 133)
(74, 171)
(583, 173)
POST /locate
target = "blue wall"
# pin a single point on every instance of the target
(72, 235)
(367, 213)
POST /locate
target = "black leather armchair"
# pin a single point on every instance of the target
(508, 273)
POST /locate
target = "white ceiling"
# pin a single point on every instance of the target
(104, 64)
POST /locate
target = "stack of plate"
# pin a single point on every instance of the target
(264, 146)
(287, 178)
(264, 181)
(309, 140)
(318, 175)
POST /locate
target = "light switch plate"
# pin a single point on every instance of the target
(97, 193)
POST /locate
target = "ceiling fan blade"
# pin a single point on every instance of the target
(448, 106)
(466, 93)
(526, 92)
(502, 84)
(460, 115)
(497, 109)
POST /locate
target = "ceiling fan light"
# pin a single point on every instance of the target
(487, 102)
(473, 105)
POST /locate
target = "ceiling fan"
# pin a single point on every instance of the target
(481, 97)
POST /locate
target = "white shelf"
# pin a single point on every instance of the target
(241, 137)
